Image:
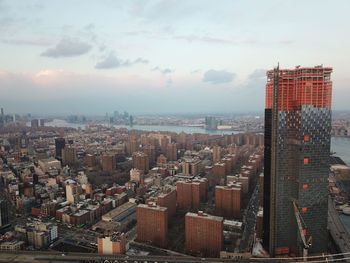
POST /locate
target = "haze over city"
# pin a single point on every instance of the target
(174, 131)
(163, 56)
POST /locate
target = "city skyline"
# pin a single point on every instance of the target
(162, 56)
(174, 131)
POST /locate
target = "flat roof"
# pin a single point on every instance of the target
(155, 207)
(230, 186)
(120, 209)
(205, 216)
(233, 223)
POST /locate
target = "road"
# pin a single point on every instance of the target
(46, 257)
(250, 222)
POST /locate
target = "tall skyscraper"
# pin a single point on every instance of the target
(60, 143)
(2, 117)
(4, 213)
(297, 149)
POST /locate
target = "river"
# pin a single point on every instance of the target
(177, 129)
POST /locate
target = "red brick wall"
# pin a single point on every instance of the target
(168, 201)
(152, 226)
(228, 202)
(204, 237)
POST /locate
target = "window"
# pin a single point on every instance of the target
(306, 160)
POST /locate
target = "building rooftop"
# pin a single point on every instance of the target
(120, 209)
(200, 214)
(233, 186)
(233, 223)
(152, 206)
(81, 212)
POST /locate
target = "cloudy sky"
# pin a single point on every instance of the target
(150, 56)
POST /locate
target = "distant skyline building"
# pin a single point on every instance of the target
(34, 123)
(2, 117)
(297, 150)
(211, 123)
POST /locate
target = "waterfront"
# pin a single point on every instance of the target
(177, 129)
(341, 147)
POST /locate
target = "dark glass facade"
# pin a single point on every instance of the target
(297, 149)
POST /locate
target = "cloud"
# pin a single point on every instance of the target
(31, 42)
(254, 83)
(163, 71)
(196, 71)
(206, 39)
(68, 47)
(285, 41)
(218, 76)
(257, 75)
(164, 11)
(112, 61)
(141, 60)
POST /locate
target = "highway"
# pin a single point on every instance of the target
(51, 257)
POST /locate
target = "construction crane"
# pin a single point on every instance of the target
(307, 241)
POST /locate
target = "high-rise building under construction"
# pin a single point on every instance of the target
(297, 150)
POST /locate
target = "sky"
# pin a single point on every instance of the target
(163, 56)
